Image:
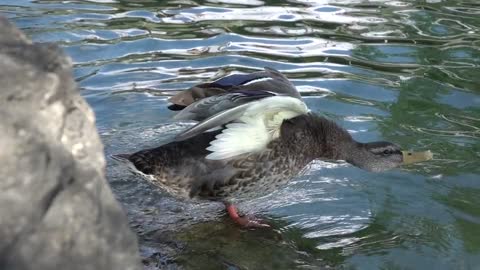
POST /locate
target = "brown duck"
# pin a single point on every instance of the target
(254, 134)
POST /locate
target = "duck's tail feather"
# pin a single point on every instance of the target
(121, 157)
(135, 164)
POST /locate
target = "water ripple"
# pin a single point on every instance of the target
(403, 71)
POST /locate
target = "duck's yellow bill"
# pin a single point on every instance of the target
(414, 157)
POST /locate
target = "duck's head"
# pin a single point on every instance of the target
(382, 156)
(327, 140)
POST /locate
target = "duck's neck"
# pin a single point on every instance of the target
(338, 147)
(319, 138)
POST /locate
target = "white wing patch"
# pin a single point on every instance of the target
(258, 126)
(258, 80)
(237, 139)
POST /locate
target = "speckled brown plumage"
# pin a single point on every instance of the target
(181, 169)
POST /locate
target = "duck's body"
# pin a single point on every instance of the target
(262, 140)
(182, 169)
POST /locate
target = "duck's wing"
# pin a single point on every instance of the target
(210, 106)
(217, 110)
(275, 82)
(269, 79)
(257, 126)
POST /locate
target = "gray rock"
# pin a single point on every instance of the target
(56, 208)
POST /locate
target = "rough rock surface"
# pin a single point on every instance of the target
(56, 208)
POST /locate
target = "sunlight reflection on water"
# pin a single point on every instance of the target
(385, 70)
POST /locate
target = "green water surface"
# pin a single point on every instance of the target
(402, 71)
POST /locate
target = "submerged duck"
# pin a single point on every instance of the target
(254, 134)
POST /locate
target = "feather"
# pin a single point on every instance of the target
(237, 139)
(209, 106)
(212, 122)
(217, 110)
(238, 79)
(270, 79)
(258, 80)
(258, 125)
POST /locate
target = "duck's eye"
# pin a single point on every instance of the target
(387, 152)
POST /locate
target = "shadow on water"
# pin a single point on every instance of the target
(221, 244)
(403, 71)
(217, 244)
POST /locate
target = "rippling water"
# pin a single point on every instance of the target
(404, 71)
